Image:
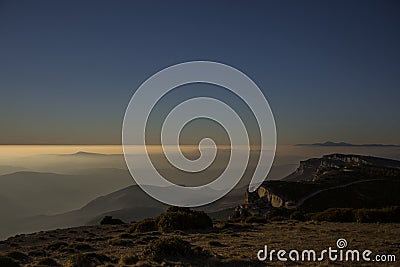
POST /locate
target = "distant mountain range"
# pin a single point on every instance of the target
(330, 143)
(26, 194)
(87, 154)
(129, 204)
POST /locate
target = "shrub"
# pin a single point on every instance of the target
(110, 221)
(147, 225)
(255, 219)
(8, 262)
(129, 260)
(298, 215)
(183, 219)
(88, 259)
(176, 209)
(172, 247)
(18, 256)
(48, 262)
(126, 236)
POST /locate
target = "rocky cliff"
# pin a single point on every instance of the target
(330, 181)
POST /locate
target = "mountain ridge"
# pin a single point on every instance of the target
(344, 144)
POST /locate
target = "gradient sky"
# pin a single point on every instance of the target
(330, 69)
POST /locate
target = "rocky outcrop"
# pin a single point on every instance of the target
(316, 168)
(318, 176)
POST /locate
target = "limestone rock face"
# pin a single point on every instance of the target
(318, 176)
(270, 197)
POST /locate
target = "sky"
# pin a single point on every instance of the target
(329, 69)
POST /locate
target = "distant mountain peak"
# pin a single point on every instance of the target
(334, 144)
(84, 153)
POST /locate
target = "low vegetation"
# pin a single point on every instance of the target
(109, 220)
(48, 262)
(147, 225)
(174, 219)
(8, 262)
(88, 259)
(183, 219)
(188, 238)
(172, 247)
(383, 215)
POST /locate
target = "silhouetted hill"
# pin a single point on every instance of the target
(129, 204)
(330, 143)
(26, 194)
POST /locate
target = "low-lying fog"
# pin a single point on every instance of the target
(48, 180)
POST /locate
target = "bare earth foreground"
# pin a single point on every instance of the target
(225, 245)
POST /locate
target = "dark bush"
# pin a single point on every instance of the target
(18, 256)
(176, 209)
(255, 219)
(110, 221)
(129, 260)
(126, 236)
(172, 247)
(88, 259)
(8, 262)
(147, 225)
(183, 219)
(298, 215)
(48, 262)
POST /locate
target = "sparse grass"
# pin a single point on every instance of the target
(228, 244)
(334, 215)
(81, 247)
(215, 243)
(383, 215)
(120, 242)
(57, 245)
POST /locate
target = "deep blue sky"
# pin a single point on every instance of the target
(330, 69)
